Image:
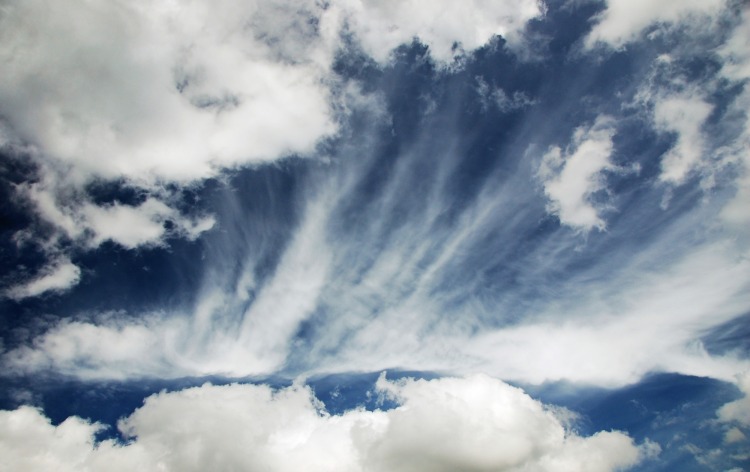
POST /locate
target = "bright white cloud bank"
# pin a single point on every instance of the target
(474, 423)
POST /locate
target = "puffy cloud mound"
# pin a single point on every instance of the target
(570, 178)
(473, 423)
(145, 91)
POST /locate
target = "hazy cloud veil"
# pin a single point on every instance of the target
(375, 235)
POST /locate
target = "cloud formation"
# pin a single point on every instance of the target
(156, 91)
(152, 93)
(60, 275)
(473, 423)
(571, 179)
(580, 217)
(623, 21)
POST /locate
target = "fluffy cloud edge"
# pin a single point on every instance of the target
(470, 423)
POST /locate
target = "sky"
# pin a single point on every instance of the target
(360, 235)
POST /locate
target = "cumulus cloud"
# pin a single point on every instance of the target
(571, 177)
(133, 226)
(158, 91)
(58, 276)
(473, 423)
(623, 21)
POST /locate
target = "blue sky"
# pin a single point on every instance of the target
(362, 235)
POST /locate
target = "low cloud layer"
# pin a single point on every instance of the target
(473, 423)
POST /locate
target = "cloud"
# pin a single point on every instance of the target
(734, 435)
(441, 25)
(736, 67)
(623, 21)
(571, 178)
(151, 93)
(473, 423)
(75, 217)
(58, 276)
(133, 226)
(738, 411)
(497, 97)
(683, 115)
(121, 350)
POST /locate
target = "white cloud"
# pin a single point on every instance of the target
(392, 314)
(158, 91)
(133, 226)
(206, 342)
(109, 350)
(609, 327)
(734, 435)
(684, 115)
(739, 410)
(155, 92)
(736, 67)
(570, 178)
(383, 25)
(623, 21)
(127, 225)
(475, 423)
(70, 212)
(59, 275)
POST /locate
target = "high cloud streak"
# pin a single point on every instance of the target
(475, 423)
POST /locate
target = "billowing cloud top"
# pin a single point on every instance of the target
(475, 423)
